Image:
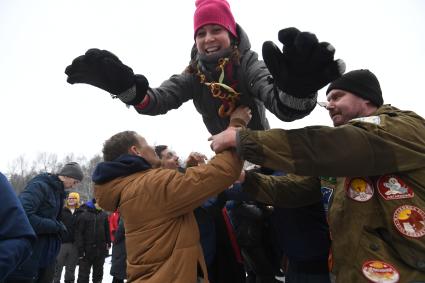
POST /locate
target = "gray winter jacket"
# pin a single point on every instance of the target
(254, 82)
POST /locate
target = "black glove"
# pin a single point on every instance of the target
(104, 70)
(304, 66)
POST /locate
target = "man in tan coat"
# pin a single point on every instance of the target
(157, 204)
(377, 200)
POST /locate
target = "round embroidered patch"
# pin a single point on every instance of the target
(359, 189)
(380, 272)
(392, 187)
(410, 221)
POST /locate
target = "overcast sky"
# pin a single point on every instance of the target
(41, 112)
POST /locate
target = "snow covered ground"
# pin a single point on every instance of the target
(107, 278)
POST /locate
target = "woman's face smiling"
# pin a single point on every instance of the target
(210, 39)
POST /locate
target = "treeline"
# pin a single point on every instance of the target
(21, 170)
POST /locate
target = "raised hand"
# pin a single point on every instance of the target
(195, 159)
(102, 69)
(304, 65)
(223, 140)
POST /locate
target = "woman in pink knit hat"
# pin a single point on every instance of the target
(223, 73)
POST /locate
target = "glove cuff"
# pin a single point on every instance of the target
(128, 95)
(297, 103)
(135, 94)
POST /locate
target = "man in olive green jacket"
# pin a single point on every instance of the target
(156, 205)
(377, 154)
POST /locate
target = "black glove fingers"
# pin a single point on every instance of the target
(305, 64)
(92, 53)
(79, 78)
(117, 65)
(95, 56)
(305, 43)
(272, 57)
(329, 73)
(107, 54)
(69, 70)
(287, 36)
(79, 65)
(334, 70)
(76, 63)
(322, 55)
(274, 60)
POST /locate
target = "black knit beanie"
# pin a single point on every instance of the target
(362, 83)
(73, 170)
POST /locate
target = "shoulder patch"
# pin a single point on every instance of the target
(392, 187)
(359, 189)
(371, 119)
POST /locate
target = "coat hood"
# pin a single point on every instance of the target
(123, 166)
(108, 180)
(48, 178)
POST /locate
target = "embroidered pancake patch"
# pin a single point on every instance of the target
(380, 272)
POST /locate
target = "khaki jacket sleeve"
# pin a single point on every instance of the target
(283, 191)
(180, 193)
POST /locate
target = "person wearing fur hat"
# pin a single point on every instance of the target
(223, 73)
(371, 163)
(68, 254)
(42, 200)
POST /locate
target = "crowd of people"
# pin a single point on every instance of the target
(317, 204)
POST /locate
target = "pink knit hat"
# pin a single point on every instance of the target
(214, 12)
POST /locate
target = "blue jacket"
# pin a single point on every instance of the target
(16, 234)
(42, 201)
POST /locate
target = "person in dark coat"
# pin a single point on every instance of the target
(93, 241)
(298, 229)
(68, 254)
(16, 234)
(42, 200)
(119, 255)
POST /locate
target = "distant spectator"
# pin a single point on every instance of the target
(119, 255)
(16, 234)
(113, 219)
(68, 254)
(42, 200)
(93, 241)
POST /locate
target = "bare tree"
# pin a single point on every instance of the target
(20, 172)
(86, 192)
(47, 162)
